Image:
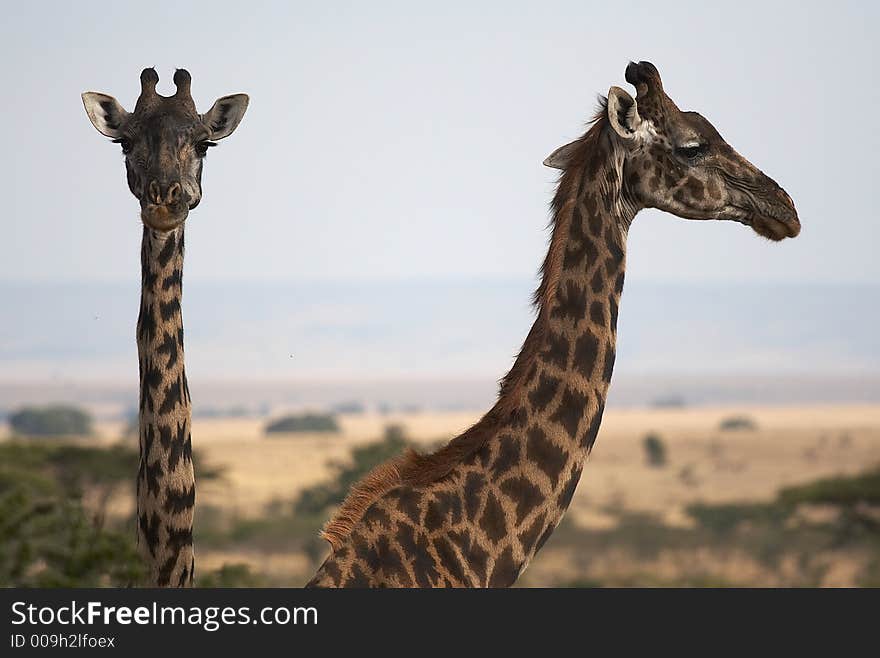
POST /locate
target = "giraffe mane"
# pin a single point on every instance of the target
(414, 469)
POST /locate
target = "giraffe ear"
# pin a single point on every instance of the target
(225, 115)
(623, 113)
(561, 157)
(105, 113)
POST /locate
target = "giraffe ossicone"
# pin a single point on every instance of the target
(164, 140)
(475, 512)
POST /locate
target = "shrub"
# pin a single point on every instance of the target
(655, 451)
(54, 420)
(315, 500)
(394, 432)
(48, 538)
(231, 575)
(847, 491)
(726, 517)
(738, 423)
(304, 423)
(52, 542)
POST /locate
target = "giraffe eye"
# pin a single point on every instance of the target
(203, 146)
(691, 151)
(125, 144)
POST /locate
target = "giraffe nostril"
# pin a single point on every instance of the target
(154, 192)
(164, 194)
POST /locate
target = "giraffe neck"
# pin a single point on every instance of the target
(165, 483)
(569, 354)
(476, 511)
(557, 388)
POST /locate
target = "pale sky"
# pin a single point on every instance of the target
(404, 140)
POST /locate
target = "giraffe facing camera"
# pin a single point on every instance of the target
(165, 141)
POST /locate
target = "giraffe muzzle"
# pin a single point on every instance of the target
(163, 206)
(776, 222)
(779, 218)
(767, 209)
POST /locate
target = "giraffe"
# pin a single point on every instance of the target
(476, 511)
(164, 141)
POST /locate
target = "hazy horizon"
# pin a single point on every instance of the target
(434, 330)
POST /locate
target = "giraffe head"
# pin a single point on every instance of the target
(676, 161)
(164, 141)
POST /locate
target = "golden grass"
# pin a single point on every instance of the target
(790, 445)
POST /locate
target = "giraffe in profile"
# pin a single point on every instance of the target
(164, 141)
(474, 513)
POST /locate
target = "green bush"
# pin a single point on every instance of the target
(64, 468)
(52, 542)
(655, 451)
(54, 420)
(316, 499)
(304, 423)
(295, 524)
(726, 517)
(847, 491)
(394, 432)
(231, 575)
(48, 538)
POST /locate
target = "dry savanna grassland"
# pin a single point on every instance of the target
(630, 522)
